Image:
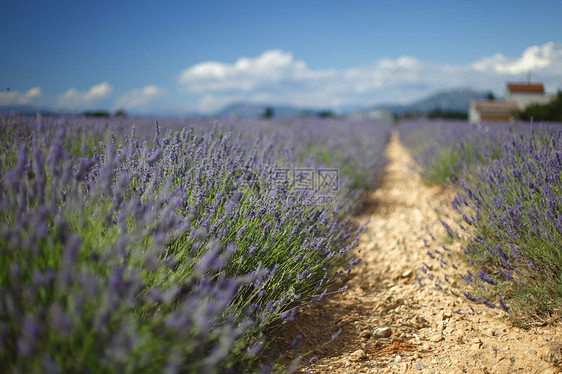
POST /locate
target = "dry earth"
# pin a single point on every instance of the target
(399, 314)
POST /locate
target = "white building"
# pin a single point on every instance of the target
(378, 114)
(526, 93)
(491, 110)
(518, 96)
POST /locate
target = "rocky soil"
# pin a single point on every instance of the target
(400, 313)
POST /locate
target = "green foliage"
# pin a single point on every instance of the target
(441, 168)
(326, 114)
(120, 113)
(96, 113)
(268, 113)
(438, 113)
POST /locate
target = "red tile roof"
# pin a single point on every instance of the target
(525, 87)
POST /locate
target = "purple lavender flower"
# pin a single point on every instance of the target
(469, 296)
(486, 277)
(336, 334)
(60, 322)
(487, 303)
(502, 304)
(296, 341)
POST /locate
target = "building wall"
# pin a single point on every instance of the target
(473, 114)
(495, 117)
(478, 114)
(524, 99)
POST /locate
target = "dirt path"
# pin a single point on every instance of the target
(399, 314)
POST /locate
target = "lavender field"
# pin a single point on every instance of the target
(181, 246)
(129, 245)
(509, 203)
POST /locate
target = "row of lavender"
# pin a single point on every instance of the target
(128, 246)
(508, 179)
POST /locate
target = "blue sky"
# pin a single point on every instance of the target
(77, 55)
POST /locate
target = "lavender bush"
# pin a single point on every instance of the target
(167, 249)
(446, 149)
(510, 201)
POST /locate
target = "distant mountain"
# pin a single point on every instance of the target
(450, 100)
(250, 110)
(241, 110)
(28, 110)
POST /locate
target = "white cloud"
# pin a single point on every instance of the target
(32, 96)
(140, 97)
(8, 98)
(98, 91)
(272, 68)
(276, 77)
(535, 58)
(74, 99)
